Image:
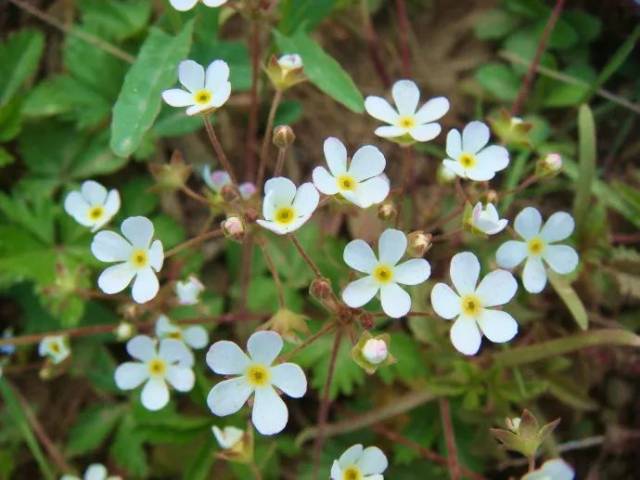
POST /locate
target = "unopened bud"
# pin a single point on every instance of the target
(549, 165)
(513, 424)
(233, 228)
(387, 210)
(229, 193)
(418, 243)
(320, 288)
(286, 71)
(124, 331)
(492, 196)
(375, 351)
(283, 136)
(173, 175)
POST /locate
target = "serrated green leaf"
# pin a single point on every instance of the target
(19, 58)
(91, 428)
(127, 448)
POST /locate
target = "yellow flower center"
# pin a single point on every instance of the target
(202, 97)
(157, 367)
(95, 213)
(471, 305)
(258, 375)
(285, 215)
(467, 160)
(406, 121)
(535, 246)
(346, 182)
(383, 273)
(139, 258)
(177, 335)
(352, 473)
(55, 348)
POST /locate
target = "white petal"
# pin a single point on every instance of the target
(138, 230)
(372, 191)
(93, 192)
(359, 292)
(367, 162)
(557, 227)
(164, 326)
(196, 109)
(497, 326)
(110, 247)
(534, 276)
(96, 471)
(145, 286)
(528, 223)
(351, 456)
(228, 396)
(226, 358)
(156, 255)
(480, 173)
(221, 95)
(336, 471)
(214, 3)
(217, 75)
(445, 301)
(454, 144)
(511, 253)
(455, 168)
(335, 154)
(181, 378)
(141, 347)
(278, 228)
(562, 259)
(112, 205)
(373, 461)
(406, 95)
(130, 375)
(391, 246)
(175, 351)
(433, 110)
(76, 206)
(475, 136)
(424, 133)
(270, 414)
(465, 270)
(183, 5)
(196, 336)
(177, 97)
(191, 75)
(359, 256)
(116, 278)
(390, 131)
(380, 109)
(289, 378)
(395, 301)
(264, 346)
(494, 158)
(412, 272)
(155, 394)
(324, 182)
(497, 288)
(282, 190)
(465, 336)
(307, 198)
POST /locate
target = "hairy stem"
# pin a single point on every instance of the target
(268, 133)
(217, 148)
(305, 256)
(308, 341)
(452, 451)
(193, 242)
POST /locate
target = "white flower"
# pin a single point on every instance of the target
(468, 156)
(290, 61)
(383, 273)
(375, 351)
(487, 220)
(358, 463)
(470, 306)
(218, 179)
(136, 255)
(205, 91)
(538, 246)
(184, 5)
(285, 208)
(55, 347)
(556, 469)
(361, 182)
(228, 437)
(124, 331)
(255, 375)
(195, 336)
(407, 123)
(95, 471)
(92, 206)
(553, 161)
(189, 290)
(171, 362)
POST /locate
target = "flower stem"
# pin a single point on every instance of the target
(305, 256)
(217, 148)
(193, 242)
(252, 127)
(403, 30)
(452, 451)
(274, 273)
(282, 155)
(255, 470)
(308, 341)
(196, 196)
(532, 463)
(264, 150)
(373, 44)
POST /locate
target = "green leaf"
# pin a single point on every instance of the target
(570, 298)
(5, 158)
(562, 94)
(19, 58)
(500, 80)
(200, 467)
(495, 24)
(91, 428)
(322, 70)
(115, 20)
(586, 25)
(128, 448)
(587, 171)
(235, 53)
(302, 15)
(140, 99)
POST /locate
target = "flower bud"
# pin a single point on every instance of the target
(124, 331)
(511, 130)
(229, 193)
(283, 136)
(375, 351)
(286, 71)
(513, 424)
(387, 210)
(549, 165)
(233, 228)
(171, 176)
(491, 196)
(236, 445)
(372, 352)
(288, 324)
(418, 243)
(320, 289)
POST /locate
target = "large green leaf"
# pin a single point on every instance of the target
(19, 58)
(322, 69)
(140, 99)
(91, 428)
(500, 80)
(115, 20)
(302, 15)
(587, 172)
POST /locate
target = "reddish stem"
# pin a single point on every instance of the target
(252, 127)
(373, 45)
(404, 26)
(452, 451)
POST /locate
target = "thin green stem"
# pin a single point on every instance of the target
(264, 150)
(193, 242)
(305, 256)
(217, 148)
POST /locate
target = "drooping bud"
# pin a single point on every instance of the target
(283, 136)
(173, 175)
(387, 210)
(549, 165)
(418, 243)
(233, 228)
(286, 71)
(124, 331)
(372, 352)
(320, 289)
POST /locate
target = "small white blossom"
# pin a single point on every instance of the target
(553, 161)
(375, 351)
(204, 91)
(383, 273)
(136, 255)
(470, 304)
(227, 437)
(95, 471)
(468, 155)
(256, 375)
(55, 347)
(487, 219)
(184, 5)
(189, 290)
(218, 179)
(361, 182)
(285, 208)
(556, 469)
(358, 463)
(290, 61)
(194, 336)
(92, 206)
(124, 331)
(407, 122)
(539, 245)
(171, 362)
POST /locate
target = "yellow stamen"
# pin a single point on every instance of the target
(383, 273)
(471, 305)
(157, 367)
(535, 246)
(176, 335)
(284, 215)
(352, 473)
(95, 213)
(202, 97)
(139, 258)
(258, 375)
(406, 121)
(467, 160)
(346, 182)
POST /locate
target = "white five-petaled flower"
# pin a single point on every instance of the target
(471, 305)
(361, 182)
(556, 469)
(95, 471)
(468, 156)
(383, 273)
(171, 362)
(188, 291)
(255, 375)
(92, 206)
(55, 347)
(194, 336)
(538, 246)
(227, 437)
(358, 463)
(137, 256)
(290, 61)
(487, 220)
(218, 179)
(285, 208)
(204, 90)
(406, 122)
(184, 5)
